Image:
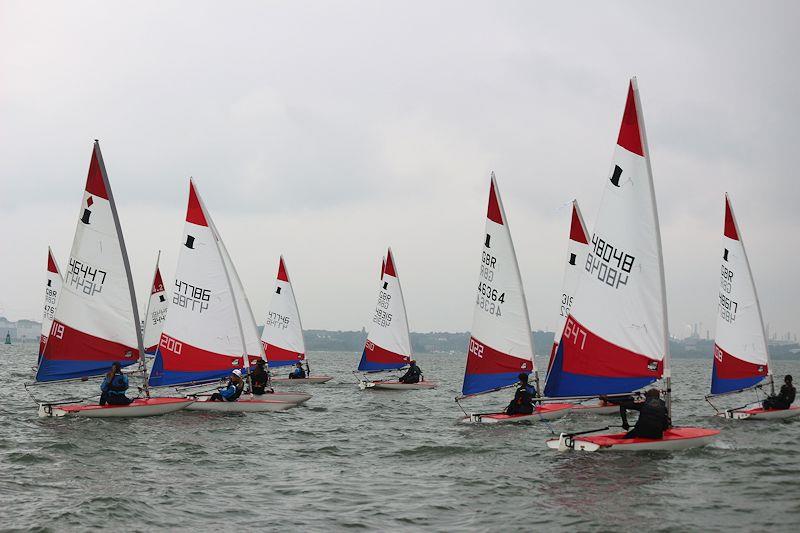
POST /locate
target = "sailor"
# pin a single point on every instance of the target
(785, 398)
(232, 390)
(114, 385)
(412, 375)
(260, 377)
(653, 416)
(298, 372)
(522, 404)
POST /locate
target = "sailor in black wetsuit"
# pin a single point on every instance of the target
(412, 375)
(259, 377)
(522, 404)
(785, 398)
(653, 416)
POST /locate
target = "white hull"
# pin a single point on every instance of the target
(240, 406)
(674, 439)
(139, 408)
(396, 385)
(283, 397)
(312, 379)
(547, 412)
(595, 409)
(761, 414)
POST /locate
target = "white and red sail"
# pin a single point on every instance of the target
(388, 345)
(577, 249)
(203, 337)
(500, 345)
(52, 288)
(96, 321)
(283, 332)
(615, 336)
(741, 359)
(156, 311)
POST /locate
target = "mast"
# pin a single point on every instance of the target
(665, 321)
(126, 262)
(755, 293)
(217, 239)
(521, 288)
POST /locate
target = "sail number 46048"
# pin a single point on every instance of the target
(575, 333)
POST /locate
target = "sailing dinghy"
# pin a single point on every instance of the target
(156, 311)
(577, 249)
(388, 345)
(96, 321)
(615, 339)
(282, 337)
(500, 345)
(53, 283)
(741, 355)
(209, 329)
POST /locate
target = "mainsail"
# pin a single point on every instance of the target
(96, 321)
(203, 337)
(500, 346)
(156, 311)
(52, 289)
(283, 332)
(388, 345)
(577, 249)
(615, 339)
(741, 358)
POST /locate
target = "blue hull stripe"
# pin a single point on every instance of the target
(478, 383)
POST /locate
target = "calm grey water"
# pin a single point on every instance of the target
(376, 460)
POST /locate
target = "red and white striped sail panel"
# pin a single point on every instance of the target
(201, 339)
(615, 337)
(156, 313)
(52, 288)
(500, 347)
(577, 248)
(388, 345)
(94, 323)
(740, 351)
(283, 332)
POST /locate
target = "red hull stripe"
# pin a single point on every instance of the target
(729, 367)
(589, 354)
(94, 181)
(493, 212)
(178, 356)
(276, 353)
(390, 270)
(629, 136)
(282, 271)
(194, 212)
(483, 359)
(158, 283)
(576, 228)
(66, 343)
(730, 225)
(51, 263)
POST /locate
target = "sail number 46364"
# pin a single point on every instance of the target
(489, 299)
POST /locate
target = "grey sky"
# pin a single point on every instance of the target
(327, 131)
